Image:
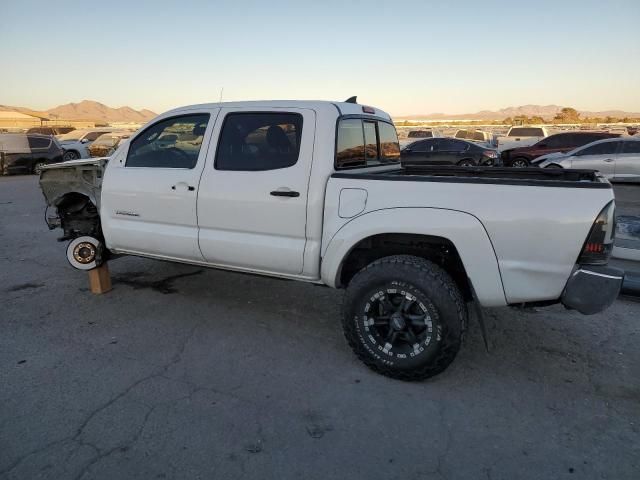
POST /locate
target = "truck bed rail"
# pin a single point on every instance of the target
(572, 178)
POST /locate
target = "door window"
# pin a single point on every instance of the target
(39, 143)
(450, 145)
(259, 141)
(631, 147)
(423, 146)
(92, 136)
(170, 143)
(555, 141)
(354, 134)
(606, 148)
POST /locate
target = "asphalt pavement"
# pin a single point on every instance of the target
(188, 373)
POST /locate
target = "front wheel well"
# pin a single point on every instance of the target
(79, 216)
(439, 250)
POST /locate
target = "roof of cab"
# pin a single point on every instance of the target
(342, 108)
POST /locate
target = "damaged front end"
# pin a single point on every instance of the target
(73, 190)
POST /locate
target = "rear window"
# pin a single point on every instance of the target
(461, 134)
(526, 132)
(366, 143)
(420, 134)
(478, 136)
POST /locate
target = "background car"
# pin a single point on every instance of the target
(27, 153)
(106, 144)
(76, 143)
(413, 135)
(559, 142)
(51, 130)
(486, 139)
(448, 151)
(618, 159)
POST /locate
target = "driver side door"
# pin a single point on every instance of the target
(150, 188)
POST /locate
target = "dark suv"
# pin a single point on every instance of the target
(27, 153)
(559, 142)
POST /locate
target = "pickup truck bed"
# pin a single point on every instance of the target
(525, 239)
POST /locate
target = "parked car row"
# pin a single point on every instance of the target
(76, 144)
(615, 154)
(27, 153)
(560, 142)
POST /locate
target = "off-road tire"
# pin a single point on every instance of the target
(434, 290)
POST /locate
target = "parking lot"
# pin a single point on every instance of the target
(184, 372)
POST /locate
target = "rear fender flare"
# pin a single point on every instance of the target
(462, 229)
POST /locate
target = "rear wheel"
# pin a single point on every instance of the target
(403, 317)
(466, 163)
(520, 162)
(553, 165)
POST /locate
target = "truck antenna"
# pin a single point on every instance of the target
(353, 99)
(221, 90)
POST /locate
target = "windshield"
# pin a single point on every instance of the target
(107, 140)
(74, 135)
(526, 132)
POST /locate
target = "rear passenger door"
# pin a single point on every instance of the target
(39, 147)
(252, 199)
(628, 162)
(450, 151)
(601, 157)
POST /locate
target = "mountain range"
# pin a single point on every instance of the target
(88, 110)
(96, 111)
(545, 111)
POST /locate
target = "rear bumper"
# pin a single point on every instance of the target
(591, 288)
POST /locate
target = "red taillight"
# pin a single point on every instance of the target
(599, 244)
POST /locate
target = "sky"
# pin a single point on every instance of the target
(406, 57)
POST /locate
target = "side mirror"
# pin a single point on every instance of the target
(84, 140)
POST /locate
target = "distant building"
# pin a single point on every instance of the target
(16, 120)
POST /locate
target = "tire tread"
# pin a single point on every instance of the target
(427, 272)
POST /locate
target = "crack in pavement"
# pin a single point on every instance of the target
(75, 438)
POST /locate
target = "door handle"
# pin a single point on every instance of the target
(609, 160)
(191, 188)
(285, 193)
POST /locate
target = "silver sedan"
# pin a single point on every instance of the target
(618, 159)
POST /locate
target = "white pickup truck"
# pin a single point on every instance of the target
(521, 137)
(314, 191)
